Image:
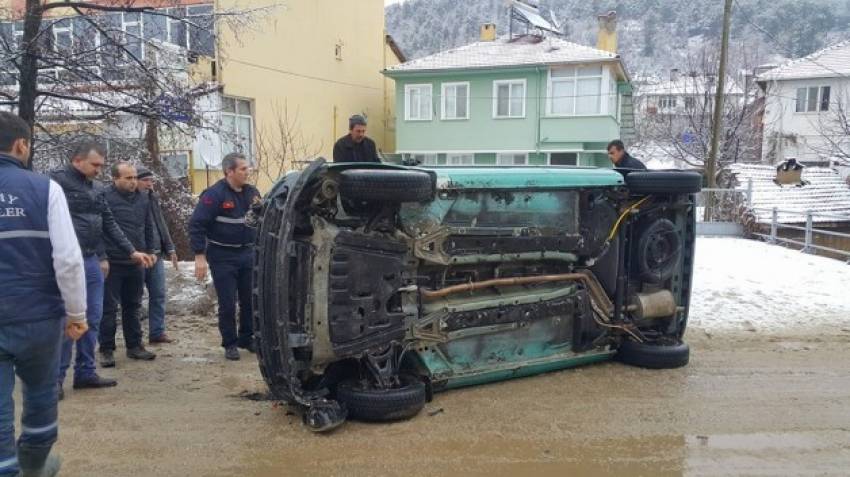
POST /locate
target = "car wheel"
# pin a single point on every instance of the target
(659, 251)
(669, 355)
(664, 182)
(373, 185)
(369, 404)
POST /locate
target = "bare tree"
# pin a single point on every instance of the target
(833, 126)
(281, 147)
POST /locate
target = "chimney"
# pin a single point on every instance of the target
(488, 32)
(607, 38)
(674, 75)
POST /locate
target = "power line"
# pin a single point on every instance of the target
(300, 75)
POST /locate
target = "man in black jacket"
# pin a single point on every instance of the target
(93, 220)
(163, 247)
(355, 146)
(125, 283)
(622, 159)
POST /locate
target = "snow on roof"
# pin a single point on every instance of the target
(825, 192)
(657, 156)
(829, 62)
(692, 86)
(521, 51)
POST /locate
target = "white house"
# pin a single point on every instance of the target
(806, 105)
(683, 95)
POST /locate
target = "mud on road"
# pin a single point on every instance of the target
(747, 404)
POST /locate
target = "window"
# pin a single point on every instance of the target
(813, 99)
(563, 159)
(576, 91)
(176, 163)
(63, 37)
(424, 159)
(667, 102)
(460, 159)
(690, 103)
(515, 208)
(512, 159)
(418, 103)
(237, 123)
(509, 99)
(176, 27)
(202, 30)
(455, 101)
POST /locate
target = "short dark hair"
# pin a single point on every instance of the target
(616, 143)
(82, 149)
(12, 128)
(116, 172)
(231, 160)
(356, 120)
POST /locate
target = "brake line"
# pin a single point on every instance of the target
(619, 221)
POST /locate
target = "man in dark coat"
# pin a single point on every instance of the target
(355, 146)
(126, 280)
(621, 159)
(163, 247)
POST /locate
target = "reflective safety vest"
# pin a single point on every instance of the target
(28, 288)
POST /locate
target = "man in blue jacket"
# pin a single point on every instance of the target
(43, 281)
(222, 242)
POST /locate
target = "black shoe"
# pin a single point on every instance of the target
(107, 359)
(94, 382)
(140, 353)
(50, 469)
(231, 353)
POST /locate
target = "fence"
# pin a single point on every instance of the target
(809, 232)
(727, 206)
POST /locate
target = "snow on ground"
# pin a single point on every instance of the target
(746, 285)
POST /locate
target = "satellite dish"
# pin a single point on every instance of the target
(528, 12)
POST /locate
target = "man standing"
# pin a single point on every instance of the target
(43, 281)
(126, 280)
(92, 220)
(355, 146)
(621, 159)
(155, 276)
(222, 241)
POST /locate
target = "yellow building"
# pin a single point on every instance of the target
(296, 77)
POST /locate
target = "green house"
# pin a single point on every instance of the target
(530, 100)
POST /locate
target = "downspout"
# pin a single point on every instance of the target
(539, 112)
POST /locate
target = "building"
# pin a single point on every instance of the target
(279, 86)
(528, 99)
(805, 112)
(683, 95)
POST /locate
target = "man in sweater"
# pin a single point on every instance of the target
(125, 283)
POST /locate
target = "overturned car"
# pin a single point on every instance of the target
(377, 285)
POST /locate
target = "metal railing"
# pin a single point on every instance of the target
(809, 230)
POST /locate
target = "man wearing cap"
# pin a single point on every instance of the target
(355, 146)
(163, 247)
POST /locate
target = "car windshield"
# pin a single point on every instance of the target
(512, 208)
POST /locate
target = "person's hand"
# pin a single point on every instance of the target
(175, 260)
(104, 268)
(140, 258)
(201, 267)
(152, 260)
(76, 329)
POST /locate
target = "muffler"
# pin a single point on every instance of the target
(659, 304)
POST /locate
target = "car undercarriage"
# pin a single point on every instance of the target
(378, 285)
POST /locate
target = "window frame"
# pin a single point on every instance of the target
(444, 97)
(807, 99)
(575, 153)
(236, 116)
(500, 155)
(418, 86)
(574, 79)
(510, 83)
(451, 156)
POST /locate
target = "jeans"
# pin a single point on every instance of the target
(231, 273)
(30, 350)
(84, 366)
(155, 282)
(124, 287)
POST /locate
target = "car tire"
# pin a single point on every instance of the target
(664, 182)
(654, 356)
(380, 405)
(376, 185)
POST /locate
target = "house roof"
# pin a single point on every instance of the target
(395, 48)
(825, 192)
(529, 50)
(829, 62)
(687, 86)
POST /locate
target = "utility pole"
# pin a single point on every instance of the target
(717, 126)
